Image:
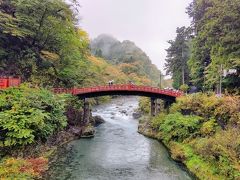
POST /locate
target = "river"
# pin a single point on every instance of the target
(117, 152)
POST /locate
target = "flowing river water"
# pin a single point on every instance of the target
(117, 152)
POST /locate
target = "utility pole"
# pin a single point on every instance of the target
(160, 83)
(183, 78)
(220, 81)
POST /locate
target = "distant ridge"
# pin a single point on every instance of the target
(126, 54)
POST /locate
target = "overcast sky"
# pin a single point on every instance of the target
(148, 23)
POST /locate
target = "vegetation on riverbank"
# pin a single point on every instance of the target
(32, 120)
(30, 114)
(203, 132)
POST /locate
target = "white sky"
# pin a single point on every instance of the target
(148, 23)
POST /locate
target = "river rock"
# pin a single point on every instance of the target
(98, 120)
(123, 111)
(75, 130)
(136, 115)
(88, 132)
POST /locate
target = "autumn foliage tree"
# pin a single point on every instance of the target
(40, 42)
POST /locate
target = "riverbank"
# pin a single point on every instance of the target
(145, 129)
(34, 122)
(202, 132)
(116, 152)
(33, 161)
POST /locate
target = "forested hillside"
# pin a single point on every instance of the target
(40, 42)
(126, 55)
(209, 48)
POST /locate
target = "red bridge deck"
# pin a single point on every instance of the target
(120, 89)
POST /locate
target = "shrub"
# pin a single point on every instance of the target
(184, 87)
(144, 105)
(28, 114)
(208, 128)
(224, 109)
(157, 121)
(11, 168)
(177, 127)
(228, 111)
(203, 131)
(222, 149)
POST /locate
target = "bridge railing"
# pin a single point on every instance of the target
(124, 87)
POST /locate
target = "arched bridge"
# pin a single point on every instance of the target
(126, 89)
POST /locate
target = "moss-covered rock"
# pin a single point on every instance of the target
(88, 132)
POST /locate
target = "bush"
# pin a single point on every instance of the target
(203, 131)
(222, 149)
(29, 114)
(184, 87)
(11, 168)
(177, 127)
(157, 121)
(224, 109)
(208, 128)
(144, 105)
(228, 111)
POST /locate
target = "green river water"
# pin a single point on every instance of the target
(117, 152)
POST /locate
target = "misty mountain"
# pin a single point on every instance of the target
(129, 57)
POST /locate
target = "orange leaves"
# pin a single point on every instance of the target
(121, 73)
(18, 168)
(35, 166)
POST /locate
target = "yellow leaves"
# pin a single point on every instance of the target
(208, 128)
(18, 168)
(46, 55)
(106, 71)
(83, 35)
(97, 61)
(121, 74)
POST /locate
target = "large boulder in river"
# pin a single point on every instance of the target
(98, 120)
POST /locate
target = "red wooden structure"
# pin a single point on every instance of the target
(6, 82)
(119, 89)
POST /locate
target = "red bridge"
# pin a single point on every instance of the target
(127, 89)
(168, 96)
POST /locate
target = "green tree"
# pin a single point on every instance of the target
(216, 24)
(40, 42)
(177, 57)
